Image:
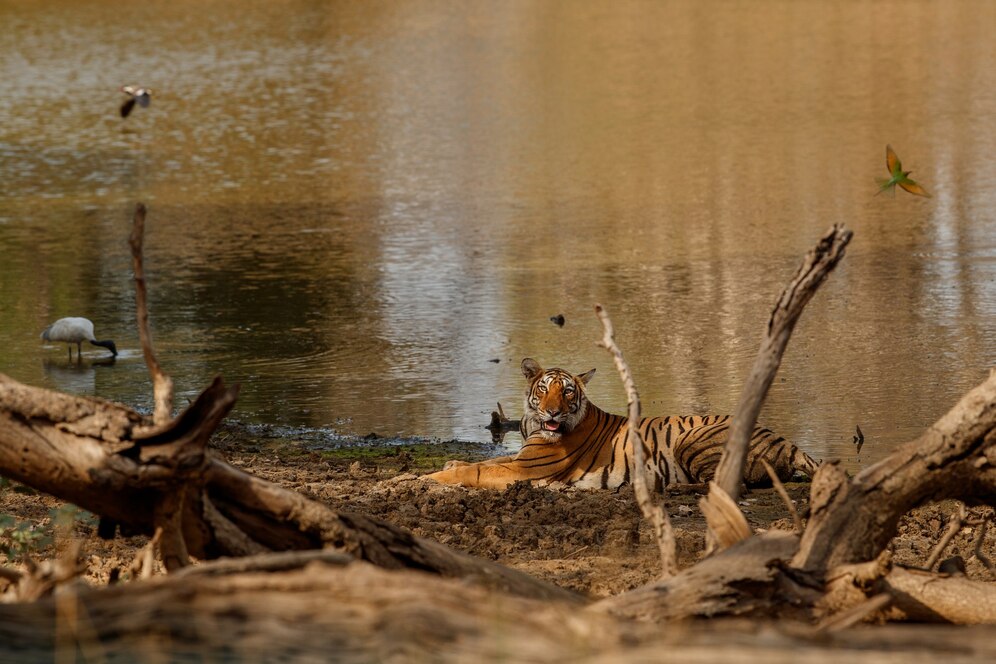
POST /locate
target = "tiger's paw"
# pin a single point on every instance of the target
(454, 463)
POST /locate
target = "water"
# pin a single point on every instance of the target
(355, 207)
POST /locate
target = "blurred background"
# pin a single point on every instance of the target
(356, 208)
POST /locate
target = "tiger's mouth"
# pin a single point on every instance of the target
(553, 426)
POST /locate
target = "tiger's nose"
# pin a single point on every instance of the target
(554, 412)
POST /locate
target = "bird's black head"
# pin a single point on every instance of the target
(109, 345)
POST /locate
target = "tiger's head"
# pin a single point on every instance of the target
(555, 400)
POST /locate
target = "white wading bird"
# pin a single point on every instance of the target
(135, 94)
(75, 331)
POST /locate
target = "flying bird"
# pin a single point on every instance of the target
(558, 320)
(75, 331)
(898, 176)
(859, 439)
(136, 95)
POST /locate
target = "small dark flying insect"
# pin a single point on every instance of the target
(558, 320)
(898, 176)
(136, 95)
(859, 439)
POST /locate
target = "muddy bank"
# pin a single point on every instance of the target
(590, 541)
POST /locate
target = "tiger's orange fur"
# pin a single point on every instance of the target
(571, 441)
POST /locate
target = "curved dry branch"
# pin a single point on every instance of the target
(815, 268)
(727, 526)
(656, 514)
(162, 384)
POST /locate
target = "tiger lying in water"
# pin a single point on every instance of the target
(570, 440)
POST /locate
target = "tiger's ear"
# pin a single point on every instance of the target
(586, 376)
(531, 368)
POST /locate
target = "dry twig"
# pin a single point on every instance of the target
(656, 514)
(854, 615)
(977, 549)
(780, 488)
(956, 523)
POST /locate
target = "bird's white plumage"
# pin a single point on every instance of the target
(69, 330)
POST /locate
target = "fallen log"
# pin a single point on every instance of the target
(343, 611)
(853, 519)
(115, 463)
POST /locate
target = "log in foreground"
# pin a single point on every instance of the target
(853, 519)
(115, 463)
(841, 560)
(354, 612)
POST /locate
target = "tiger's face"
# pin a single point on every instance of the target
(555, 400)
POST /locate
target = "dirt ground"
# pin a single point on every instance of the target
(591, 541)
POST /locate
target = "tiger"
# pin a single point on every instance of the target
(571, 441)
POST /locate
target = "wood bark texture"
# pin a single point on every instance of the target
(115, 463)
(342, 611)
(853, 519)
(162, 384)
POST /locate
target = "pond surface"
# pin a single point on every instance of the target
(356, 208)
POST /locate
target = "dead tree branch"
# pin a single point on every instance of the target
(656, 514)
(815, 268)
(162, 384)
(783, 494)
(819, 262)
(956, 523)
(979, 540)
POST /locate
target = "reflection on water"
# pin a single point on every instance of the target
(75, 376)
(354, 207)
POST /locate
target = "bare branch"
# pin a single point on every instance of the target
(780, 488)
(977, 549)
(855, 614)
(142, 565)
(956, 523)
(162, 384)
(818, 263)
(655, 514)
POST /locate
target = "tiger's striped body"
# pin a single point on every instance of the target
(571, 441)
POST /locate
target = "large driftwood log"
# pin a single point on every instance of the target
(113, 462)
(740, 580)
(336, 610)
